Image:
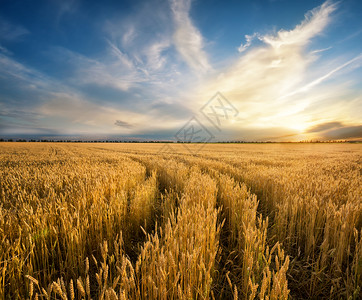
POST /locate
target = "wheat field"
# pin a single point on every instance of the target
(126, 221)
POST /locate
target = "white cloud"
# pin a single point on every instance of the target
(77, 115)
(115, 69)
(249, 39)
(129, 36)
(147, 58)
(55, 106)
(321, 50)
(319, 80)
(28, 77)
(155, 59)
(273, 85)
(315, 22)
(122, 57)
(187, 38)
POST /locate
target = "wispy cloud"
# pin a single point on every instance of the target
(115, 70)
(61, 107)
(65, 7)
(249, 39)
(336, 130)
(147, 76)
(135, 56)
(5, 50)
(129, 36)
(324, 126)
(187, 38)
(122, 57)
(324, 77)
(12, 32)
(123, 124)
(321, 50)
(315, 22)
(269, 83)
(24, 76)
(155, 59)
(346, 132)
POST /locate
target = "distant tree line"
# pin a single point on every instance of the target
(179, 142)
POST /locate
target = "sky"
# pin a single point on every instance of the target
(252, 70)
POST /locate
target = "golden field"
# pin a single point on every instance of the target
(128, 221)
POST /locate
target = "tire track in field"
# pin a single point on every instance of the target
(229, 260)
(231, 264)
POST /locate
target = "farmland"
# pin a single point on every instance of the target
(128, 221)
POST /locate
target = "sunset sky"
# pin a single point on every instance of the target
(291, 70)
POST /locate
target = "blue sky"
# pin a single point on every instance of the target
(142, 69)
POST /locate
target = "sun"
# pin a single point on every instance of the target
(298, 126)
